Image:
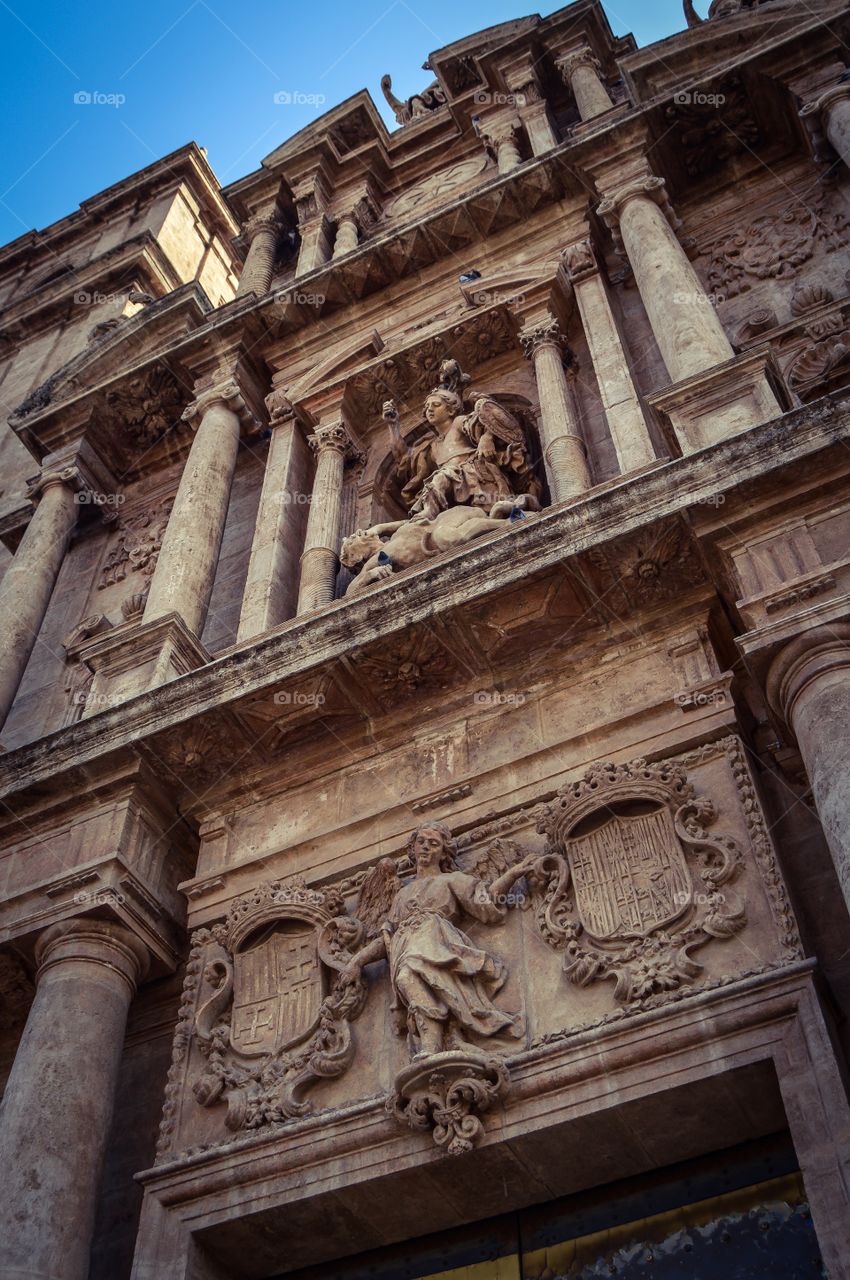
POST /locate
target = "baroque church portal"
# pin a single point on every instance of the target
(425, 682)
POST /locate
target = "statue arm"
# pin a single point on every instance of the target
(374, 950)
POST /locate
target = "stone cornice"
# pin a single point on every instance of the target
(303, 645)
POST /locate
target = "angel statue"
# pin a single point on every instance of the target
(471, 459)
(443, 984)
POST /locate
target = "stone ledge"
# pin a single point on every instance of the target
(558, 535)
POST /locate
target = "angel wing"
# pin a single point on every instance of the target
(377, 893)
(487, 415)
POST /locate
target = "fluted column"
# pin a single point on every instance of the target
(808, 685)
(57, 1108)
(501, 138)
(580, 72)
(29, 580)
(564, 453)
(319, 562)
(262, 232)
(689, 334)
(623, 411)
(183, 579)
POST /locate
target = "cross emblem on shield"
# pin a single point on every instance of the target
(277, 991)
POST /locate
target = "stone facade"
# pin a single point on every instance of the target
(425, 675)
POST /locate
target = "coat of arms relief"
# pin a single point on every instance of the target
(632, 882)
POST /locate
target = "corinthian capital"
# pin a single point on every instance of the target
(334, 437)
(570, 62)
(269, 221)
(546, 334)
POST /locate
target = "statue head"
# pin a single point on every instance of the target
(357, 548)
(430, 841)
(441, 407)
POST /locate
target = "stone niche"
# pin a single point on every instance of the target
(637, 885)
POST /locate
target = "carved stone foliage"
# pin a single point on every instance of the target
(137, 545)
(634, 881)
(271, 1018)
(827, 346)
(776, 245)
(712, 126)
(447, 1094)
(148, 405)
(634, 573)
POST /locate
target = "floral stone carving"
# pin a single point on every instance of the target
(272, 1017)
(616, 888)
(447, 1093)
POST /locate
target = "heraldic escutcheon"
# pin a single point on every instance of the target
(276, 1020)
(616, 888)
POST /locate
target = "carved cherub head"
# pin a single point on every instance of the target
(430, 842)
(357, 548)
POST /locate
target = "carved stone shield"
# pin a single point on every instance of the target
(277, 991)
(629, 876)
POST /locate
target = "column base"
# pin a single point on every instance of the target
(145, 655)
(721, 402)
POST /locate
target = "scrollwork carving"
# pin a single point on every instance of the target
(615, 889)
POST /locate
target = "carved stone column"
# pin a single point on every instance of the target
(808, 685)
(57, 1108)
(690, 337)
(616, 389)
(271, 586)
(833, 107)
(183, 579)
(262, 232)
(29, 580)
(580, 72)
(563, 448)
(501, 138)
(347, 235)
(331, 444)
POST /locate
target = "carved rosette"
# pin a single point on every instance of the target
(448, 1093)
(270, 1017)
(633, 881)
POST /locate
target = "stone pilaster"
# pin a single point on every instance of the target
(57, 1108)
(531, 105)
(561, 441)
(183, 579)
(314, 225)
(617, 391)
(262, 232)
(332, 445)
(28, 583)
(808, 686)
(579, 70)
(271, 586)
(714, 394)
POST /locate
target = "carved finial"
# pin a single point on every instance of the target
(402, 113)
(691, 16)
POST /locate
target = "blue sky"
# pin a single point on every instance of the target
(167, 72)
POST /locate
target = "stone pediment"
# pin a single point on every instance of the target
(119, 384)
(351, 124)
(129, 344)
